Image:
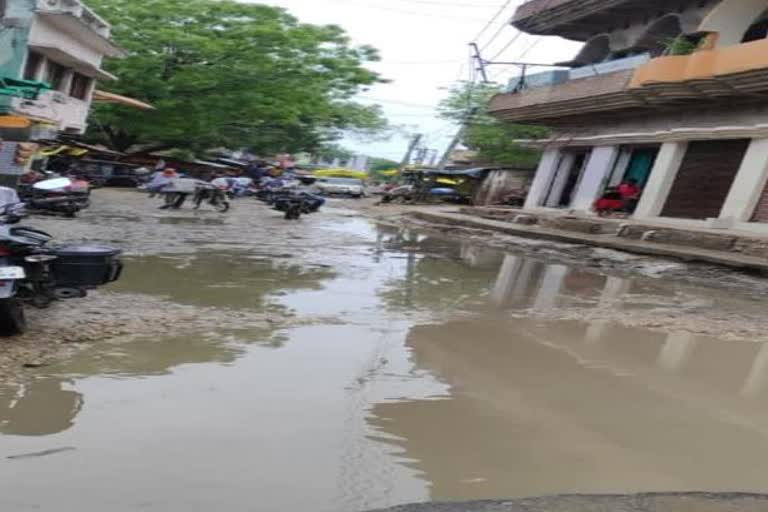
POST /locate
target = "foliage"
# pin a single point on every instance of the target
(681, 45)
(382, 164)
(226, 73)
(491, 138)
(331, 152)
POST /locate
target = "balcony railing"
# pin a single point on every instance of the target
(556, 77)
(737, 73)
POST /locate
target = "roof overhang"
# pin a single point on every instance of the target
(110, 97)
(68, 60)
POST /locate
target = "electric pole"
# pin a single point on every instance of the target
(457, 139)
(411, 148)
(477, 57)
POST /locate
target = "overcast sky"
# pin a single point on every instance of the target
(424, 48)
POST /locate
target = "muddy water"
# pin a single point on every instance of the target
(397, 367)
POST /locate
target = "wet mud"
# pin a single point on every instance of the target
(337, 364)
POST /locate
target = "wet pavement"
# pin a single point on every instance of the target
(338, 365)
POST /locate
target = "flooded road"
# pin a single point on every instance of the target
(337, 365)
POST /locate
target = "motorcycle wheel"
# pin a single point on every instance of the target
(13, 321)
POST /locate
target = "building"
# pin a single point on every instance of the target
(51, 54)
(671, 94)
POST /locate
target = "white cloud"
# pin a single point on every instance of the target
(424, 49)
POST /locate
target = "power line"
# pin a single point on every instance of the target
(395, 102)
(449, 4)
(414, 13)
(493, 19)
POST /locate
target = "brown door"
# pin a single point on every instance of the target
(761, 211)
(705, 178)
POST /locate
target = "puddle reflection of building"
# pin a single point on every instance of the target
(38, 408)
(525, 282)
(537, 410)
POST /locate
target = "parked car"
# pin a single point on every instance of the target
(341, 187)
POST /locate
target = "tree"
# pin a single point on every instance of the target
(382, 164)
(494, 140)
(225, 73)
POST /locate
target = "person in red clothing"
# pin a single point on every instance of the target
(629, 190)
(630, 194)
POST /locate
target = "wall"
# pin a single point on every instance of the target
(56, 107)
(501, 183)
(731, 19)
(662, 126)
(13, 40)
(43, 33)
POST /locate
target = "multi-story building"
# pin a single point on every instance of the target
(672, 94)
(51, 53)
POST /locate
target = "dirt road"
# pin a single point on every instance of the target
(246, 363)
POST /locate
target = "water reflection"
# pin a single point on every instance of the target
(561, 407)
(235, 280)
(40, 407)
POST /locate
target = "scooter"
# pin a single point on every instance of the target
(57, 196)
(33, 273)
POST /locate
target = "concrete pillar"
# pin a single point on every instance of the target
(551, 284)
(617, 176)
(545, 173)
(599, 165)
(662, 177)
(552, 197)
(749, 184)
(677, 350)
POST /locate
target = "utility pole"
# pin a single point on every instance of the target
(480, 62)
(421, 156)
(457, 139)
(433, 158)
(411, 148)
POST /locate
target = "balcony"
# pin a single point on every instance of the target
(737, 73)
(581, 19)
(56, 108)
(558, 94)
(740, 70)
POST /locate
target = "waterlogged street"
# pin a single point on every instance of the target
(245, 363)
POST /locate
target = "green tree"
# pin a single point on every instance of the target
(491, 138)
(382, 164)
(226, 73)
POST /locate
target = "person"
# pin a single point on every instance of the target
(630, 194)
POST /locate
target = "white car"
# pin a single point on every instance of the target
(341, 187)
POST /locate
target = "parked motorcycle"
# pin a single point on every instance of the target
(296, 204)
(57, 196)
(33, 273)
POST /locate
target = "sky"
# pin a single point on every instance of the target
(424, 47)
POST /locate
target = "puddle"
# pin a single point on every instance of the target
(415, 368)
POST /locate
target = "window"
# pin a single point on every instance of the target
(81, 86)
(55, 74)
(34, 60)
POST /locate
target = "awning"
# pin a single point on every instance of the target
(15, 122)
(65, 59)
(110, 97)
